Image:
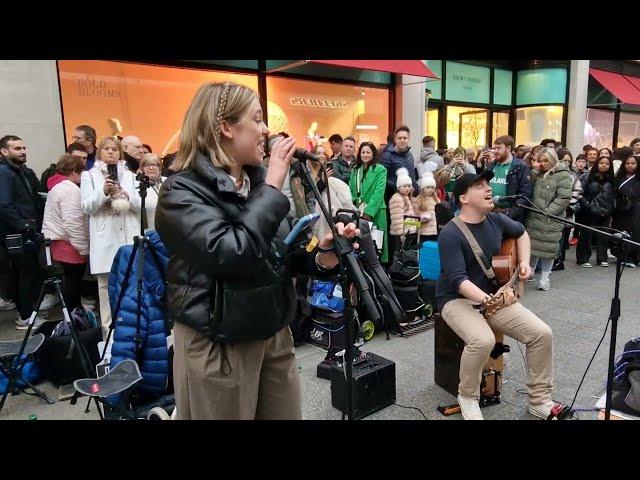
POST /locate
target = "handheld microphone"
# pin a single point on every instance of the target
(506, 198)
(300, 154)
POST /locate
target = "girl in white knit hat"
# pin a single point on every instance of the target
(400, 205)
(424, 206)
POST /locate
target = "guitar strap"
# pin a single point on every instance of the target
(477, 250)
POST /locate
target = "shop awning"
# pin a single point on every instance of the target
(625, 88)
(405, 67)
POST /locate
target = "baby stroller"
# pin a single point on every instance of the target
(137, 382)
(405, 278)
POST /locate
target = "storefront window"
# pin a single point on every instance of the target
(500, 124)
(536, 123)
(431, 124)
(466, 127)
(119, 99)
(309, 110)
(598, 128)
(629, 128)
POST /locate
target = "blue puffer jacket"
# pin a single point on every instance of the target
(153, 358)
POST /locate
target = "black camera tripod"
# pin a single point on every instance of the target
(29, 345)
(621, 242)
(140, 242)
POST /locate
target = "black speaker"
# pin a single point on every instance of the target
(373, 387)
(449, 348)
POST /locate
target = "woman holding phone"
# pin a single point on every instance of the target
(111, 201)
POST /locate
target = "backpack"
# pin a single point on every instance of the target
(82, 320)
(626, 380)
(326, 296)
(30, 372)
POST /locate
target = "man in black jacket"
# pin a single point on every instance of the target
(132, 150)
(511, 177)
(21, 211)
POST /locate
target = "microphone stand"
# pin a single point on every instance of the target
(622, 241)
(355, 288)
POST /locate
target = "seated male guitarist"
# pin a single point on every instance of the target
(463, 288)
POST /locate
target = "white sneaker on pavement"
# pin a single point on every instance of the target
(586, 265)
(6, 305)
(49, 301)
(542, 410)
(545, 284)
(469, 408)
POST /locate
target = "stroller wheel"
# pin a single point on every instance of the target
(158, 413)
(428, 310)
(368, 329)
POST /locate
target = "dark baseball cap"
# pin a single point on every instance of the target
(463, 182)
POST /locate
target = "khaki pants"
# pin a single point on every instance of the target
(257, 380)
(105, 307)
(515, 321)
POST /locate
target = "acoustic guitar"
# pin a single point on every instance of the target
(506, 263)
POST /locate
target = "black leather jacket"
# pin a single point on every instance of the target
(223, 277)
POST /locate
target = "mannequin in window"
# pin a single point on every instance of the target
(312, 136)
(116, 128)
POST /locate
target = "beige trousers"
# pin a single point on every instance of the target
(246, 381)
(515, 321)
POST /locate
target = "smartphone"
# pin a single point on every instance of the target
(112, 169)
(328, 165)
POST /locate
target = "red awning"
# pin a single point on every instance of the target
(634, 80)
(621, 86)
(406, 67)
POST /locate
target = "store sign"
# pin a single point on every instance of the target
(96, 88)
(467, 83)
(319, 102)
(543, 85)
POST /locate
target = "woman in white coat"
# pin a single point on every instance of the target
(113, 206)
(150, 165)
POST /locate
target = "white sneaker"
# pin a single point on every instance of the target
(627, 264)
(6, 305)
(586, 265)
(604, 264)
(545, 284)
(543, 410)
(532, 278)
(49, 301)
(470, 408)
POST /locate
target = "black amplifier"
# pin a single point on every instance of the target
(373, 388)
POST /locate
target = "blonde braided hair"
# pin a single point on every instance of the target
(201, 132)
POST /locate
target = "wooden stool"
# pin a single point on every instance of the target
(448, 352)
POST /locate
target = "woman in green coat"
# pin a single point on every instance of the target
(367, 183)
(552, 190)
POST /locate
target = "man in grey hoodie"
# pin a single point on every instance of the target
(429, 161)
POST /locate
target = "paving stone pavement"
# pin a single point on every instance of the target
(576, 308)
